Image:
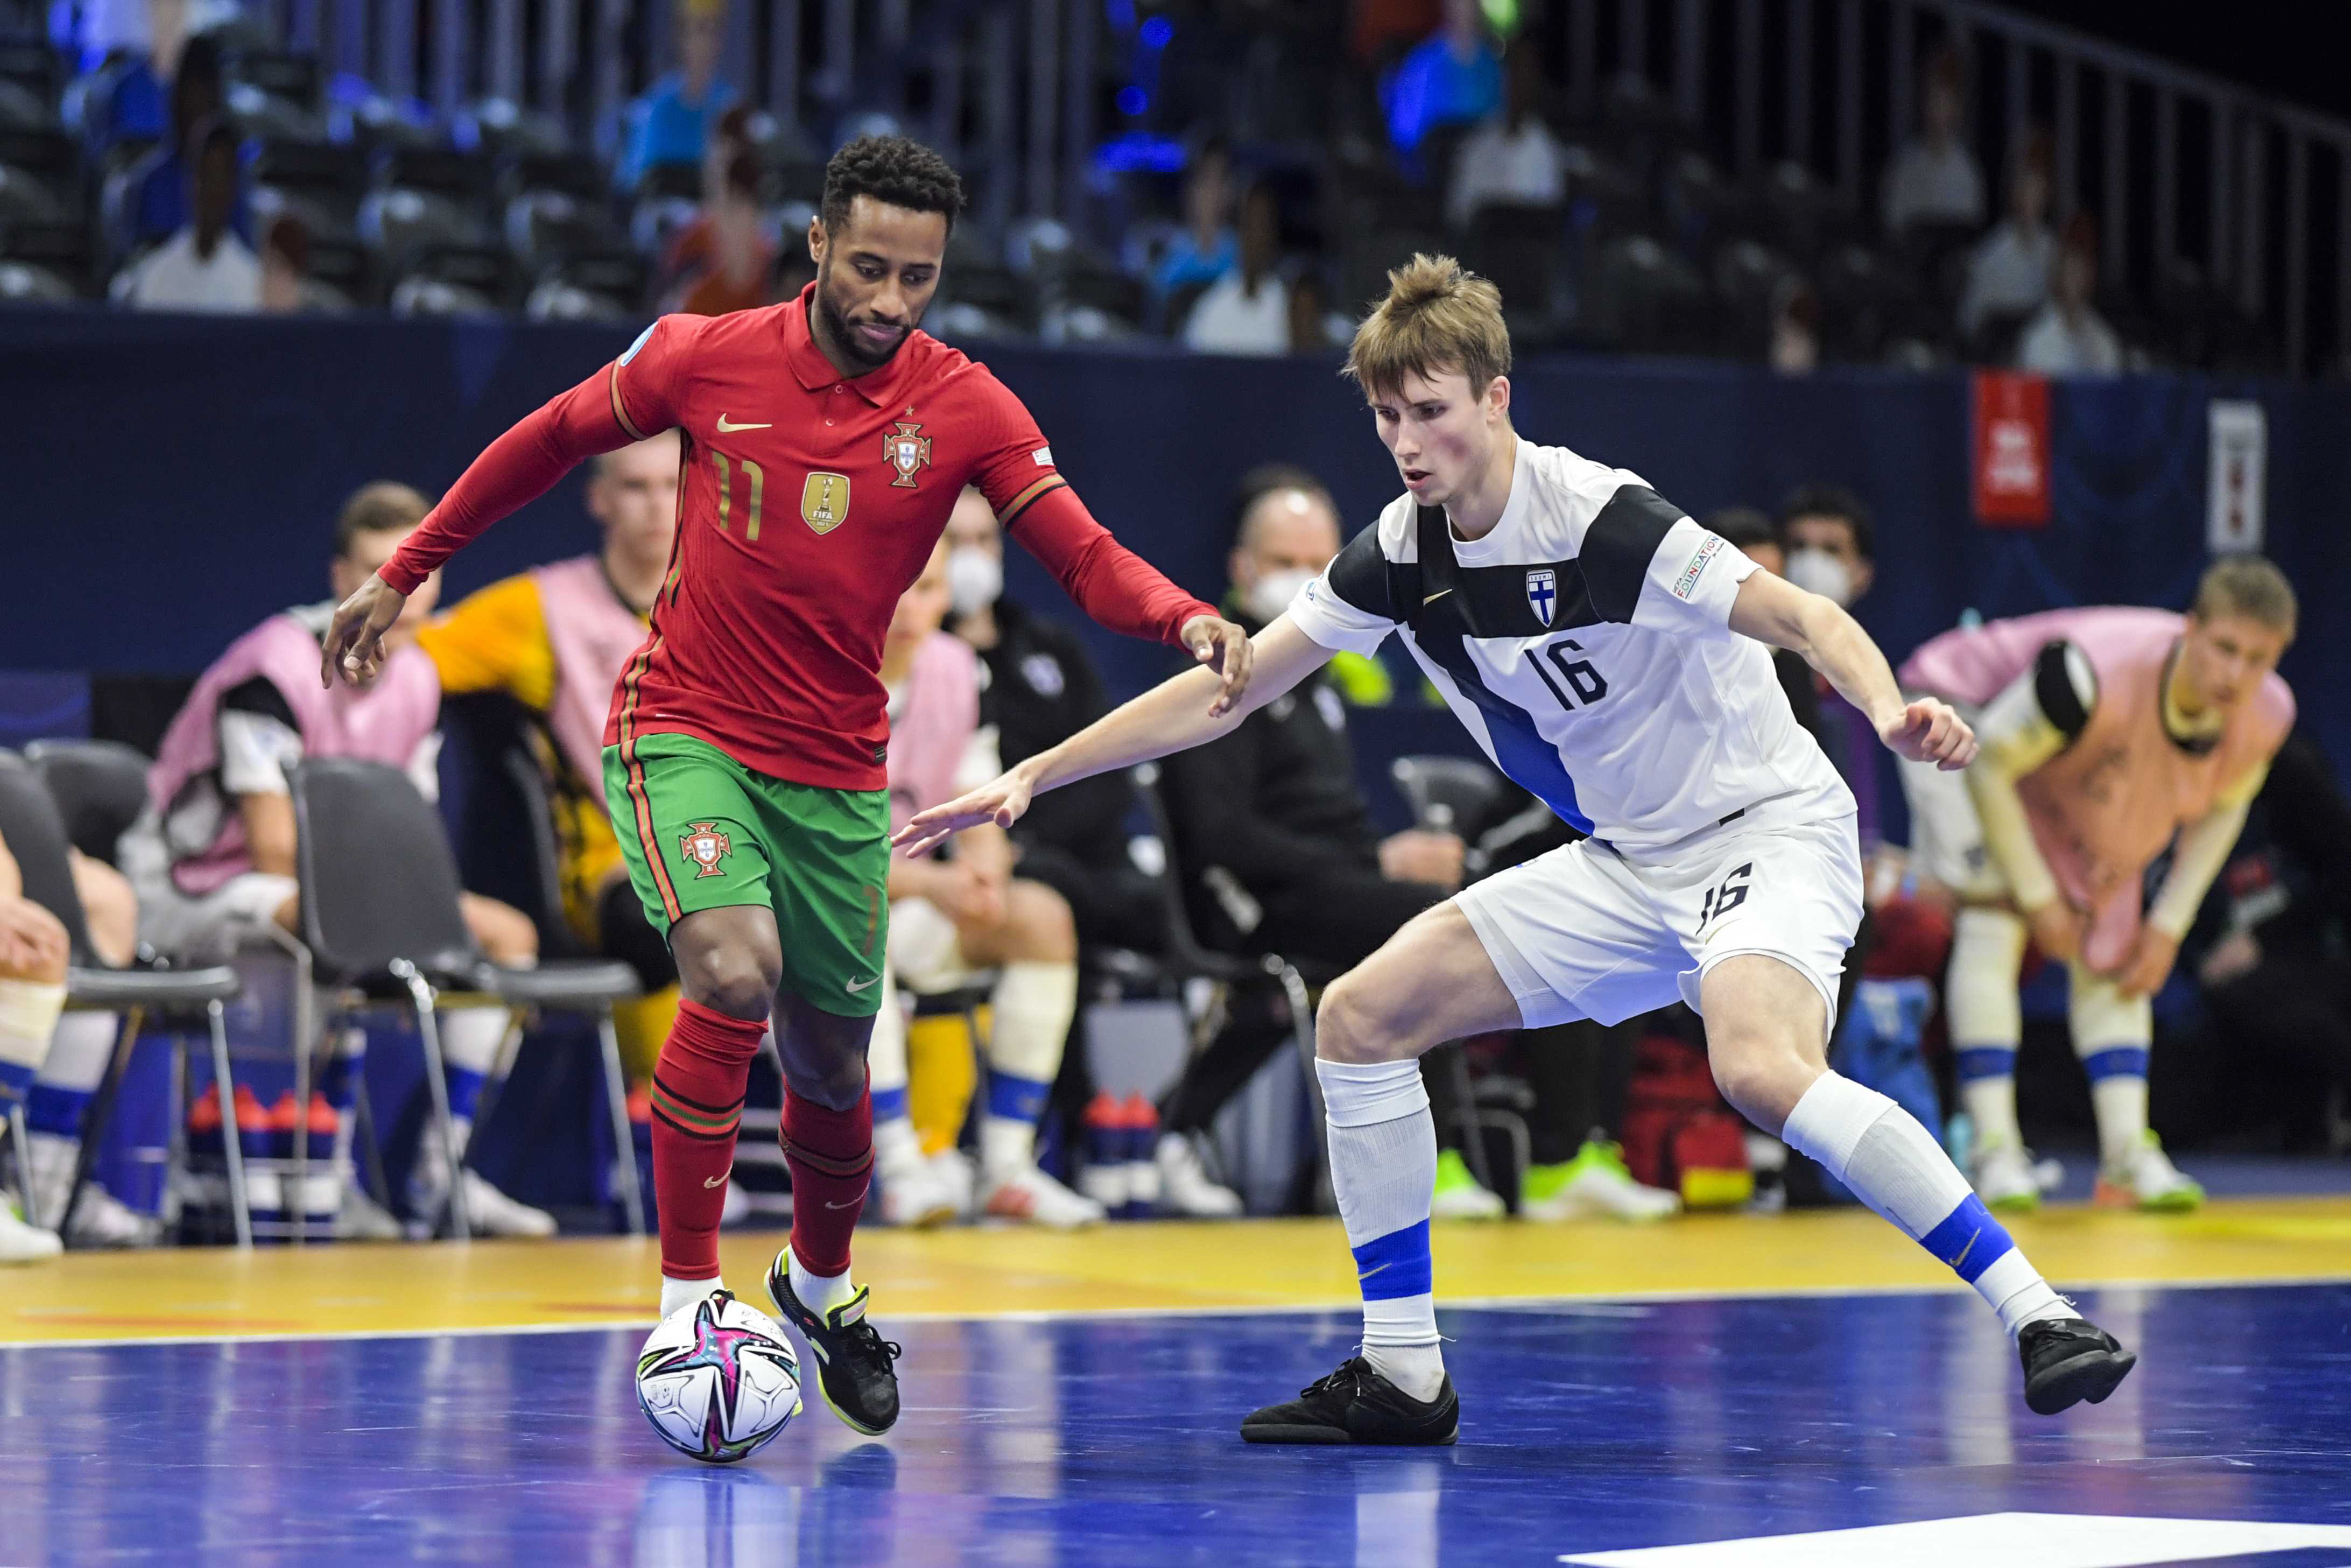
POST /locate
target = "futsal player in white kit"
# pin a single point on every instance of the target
(1614, 658)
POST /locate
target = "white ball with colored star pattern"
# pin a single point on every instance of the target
(717, 1379)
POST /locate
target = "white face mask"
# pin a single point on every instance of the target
(975, 578)
(1269, 598)
(1818, 571)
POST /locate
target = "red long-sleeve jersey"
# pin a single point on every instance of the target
(807, 504)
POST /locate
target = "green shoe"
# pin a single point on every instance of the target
(1457, 1194)
(1594, 1184)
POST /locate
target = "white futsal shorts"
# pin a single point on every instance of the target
(1584, 932)
(1946, 836)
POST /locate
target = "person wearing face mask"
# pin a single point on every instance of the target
(1273, 833)
(1826, 540)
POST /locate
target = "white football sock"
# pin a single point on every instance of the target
(677, 1293)
(2111, 1032)
(1986, 1021)
(1384, 1172)
(819, 1292)
(1894, 1164)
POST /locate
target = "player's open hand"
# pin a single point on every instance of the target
(1001, 802)
(1930, 731)
(354, 643)
(1225, 648)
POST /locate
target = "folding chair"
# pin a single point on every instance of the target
(380, 917)
(36, 833)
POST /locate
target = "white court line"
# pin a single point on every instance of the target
(1564, 1306)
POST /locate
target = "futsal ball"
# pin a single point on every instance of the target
(718, 1380)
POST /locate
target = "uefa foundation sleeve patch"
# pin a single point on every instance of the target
(1687, 582)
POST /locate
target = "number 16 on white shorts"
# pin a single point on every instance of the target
(1585, 932)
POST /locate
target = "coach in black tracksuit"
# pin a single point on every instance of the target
(1274, 839)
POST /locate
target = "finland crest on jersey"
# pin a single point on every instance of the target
(1585, 643)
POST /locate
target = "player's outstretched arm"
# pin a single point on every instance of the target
(513, 471)
(1174, 716)
(1773, 610)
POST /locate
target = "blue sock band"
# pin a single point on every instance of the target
(15, 1082)
(2115, 1062)
(465, 1091)
(49, 1109)
(1014, 1098)
(1970, 1239)
(1395, 1264)
(1979, 1062)
(889, 1104)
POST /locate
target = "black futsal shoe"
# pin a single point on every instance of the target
(2068, 1360)
(1356, 1404)
(854, 1374)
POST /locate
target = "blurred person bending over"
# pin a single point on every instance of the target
(556, 639)
(2108, 734)
(951, 919)
(827, 440)
(213, 857)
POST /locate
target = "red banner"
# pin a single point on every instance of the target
(2011, 449)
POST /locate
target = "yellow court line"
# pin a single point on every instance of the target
(1255, 1265)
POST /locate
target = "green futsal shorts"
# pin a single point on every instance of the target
(700, 830)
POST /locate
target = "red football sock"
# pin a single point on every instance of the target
(697, 1094)
(831, 1154)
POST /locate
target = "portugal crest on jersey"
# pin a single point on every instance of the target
(905, 449)
(707, 846)
(1542, 593)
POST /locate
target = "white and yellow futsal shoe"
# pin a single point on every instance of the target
(2005, 1178)
(2147, 1179)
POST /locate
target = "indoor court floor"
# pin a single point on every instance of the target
(1805, 1388)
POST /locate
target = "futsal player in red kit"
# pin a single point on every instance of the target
(826, 440)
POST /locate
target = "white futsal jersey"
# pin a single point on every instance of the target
(1585, 642)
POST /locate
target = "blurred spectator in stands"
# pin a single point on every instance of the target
(213, 857)
(1831, 548)
(1274, 841)
(285, 266)
(2068, 337)
(205, 267)
(2267, 947)
(124, 97)
(671, 121)
(555, 640)
(1795, 347)
(1247, 310)
(723, 260)
(1512, 156)
(1933, 178)
(1314, 327)
(1039, 686)
(1207, 249)
(2008, 273)
(154, 190)
(1451, 78)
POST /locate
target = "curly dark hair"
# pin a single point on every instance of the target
(897, 170)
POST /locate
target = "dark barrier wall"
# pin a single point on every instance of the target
(170, 481)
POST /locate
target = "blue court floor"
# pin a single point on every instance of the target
(1588, 1429)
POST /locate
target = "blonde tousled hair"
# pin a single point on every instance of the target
(1438, 317)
